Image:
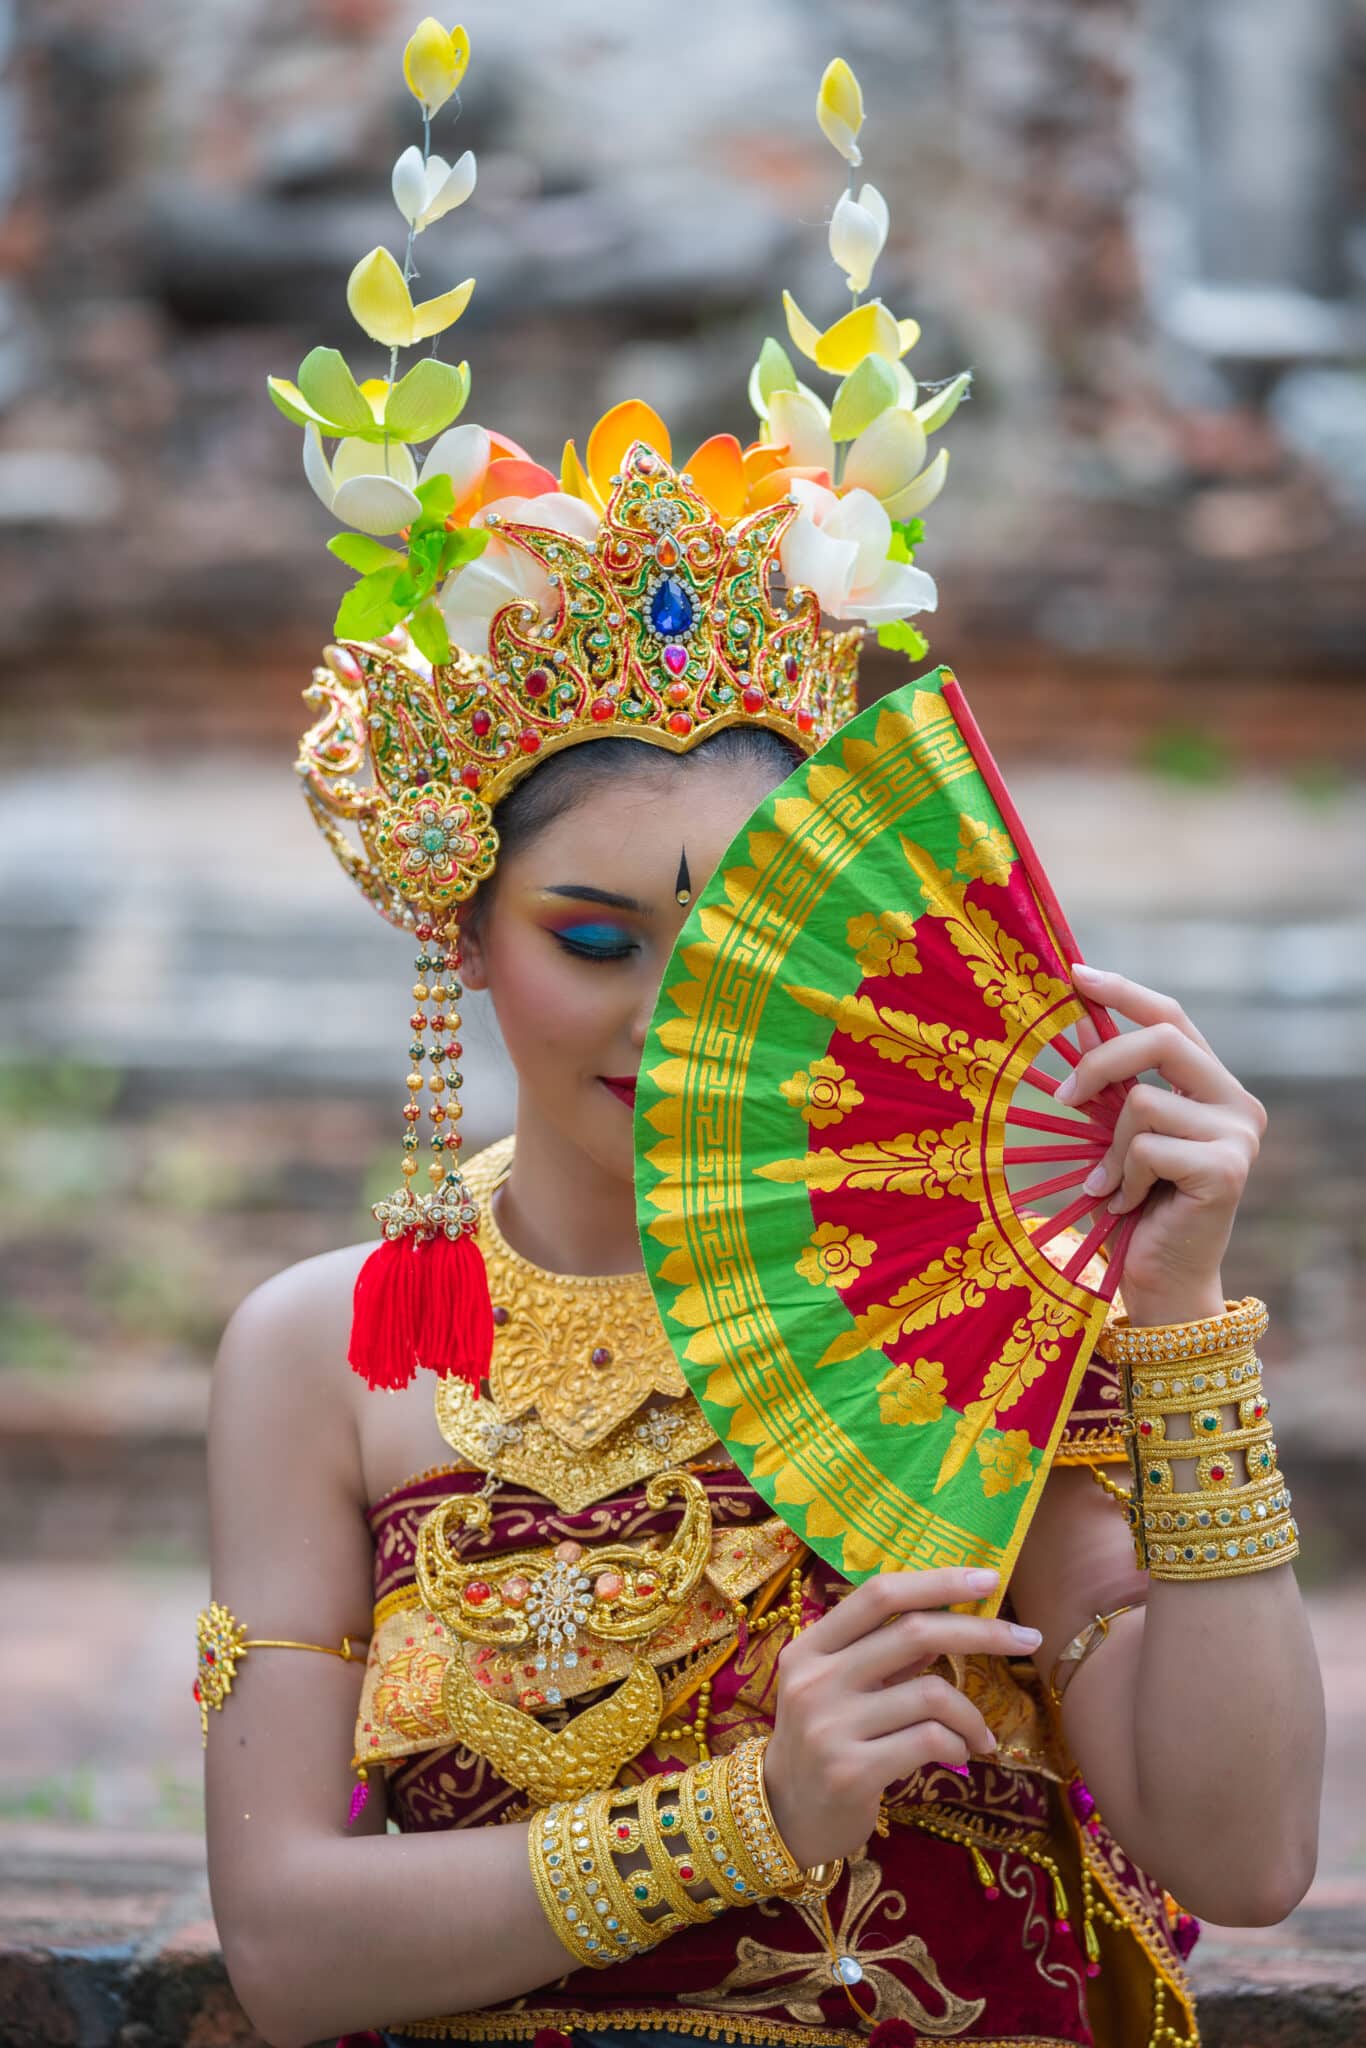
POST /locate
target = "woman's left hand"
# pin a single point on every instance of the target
(1192, 1144)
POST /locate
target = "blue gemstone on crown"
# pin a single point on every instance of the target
(671, 609)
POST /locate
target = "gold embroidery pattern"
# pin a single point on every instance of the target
(722, 2026)
(766, 1976)
(528, 1454)
(584, 1352)
(550, 1764)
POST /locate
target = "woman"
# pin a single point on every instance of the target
(655, 1768)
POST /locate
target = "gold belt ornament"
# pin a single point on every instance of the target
(552, 1597)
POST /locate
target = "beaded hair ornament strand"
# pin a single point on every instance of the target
(503, 613)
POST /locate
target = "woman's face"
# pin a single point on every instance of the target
(573, 946)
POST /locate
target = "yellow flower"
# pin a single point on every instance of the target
(984, 853)
(835, 1256)
(1006, 1461)
(885, 943)
(912, 1393)
(382, 305)
(839, 109)
(867, 330)
(434, 62)
(822, 1092)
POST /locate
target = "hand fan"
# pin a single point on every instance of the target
(856, 1198)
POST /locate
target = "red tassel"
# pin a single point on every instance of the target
(893, 2033)
(422, 1303)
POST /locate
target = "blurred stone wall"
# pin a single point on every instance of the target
(1163, 469)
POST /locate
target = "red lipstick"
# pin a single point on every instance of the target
(622, 1086)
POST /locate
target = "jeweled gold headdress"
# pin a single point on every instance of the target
(525, 613)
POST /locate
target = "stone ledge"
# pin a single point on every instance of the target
(106, 1941)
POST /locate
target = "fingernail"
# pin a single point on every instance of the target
(1030, 1637)
(982, 1581)
(1079, 967)
(1066, 1089)
(1095, 1182)
(959, 1770)
(1117, 1204)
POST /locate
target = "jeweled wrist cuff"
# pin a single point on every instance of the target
(707, 1839)
(1242, 1325)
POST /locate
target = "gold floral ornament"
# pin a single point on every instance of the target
(436, 848)
(835, 1256)
(912, 1393)
(822, 1093)
(884, 942)
(984, 855)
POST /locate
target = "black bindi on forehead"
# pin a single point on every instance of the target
(683, 882)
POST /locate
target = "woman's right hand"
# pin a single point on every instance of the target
(857, 1711)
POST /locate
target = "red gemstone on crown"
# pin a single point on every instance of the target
(666, 554)
(197, 1693)
(600, 710)
(470, 777)
(792, 668)
(529, 742)
(680, 723)
(753, 699)
(675, 659)
(477, 1592)
(481, 723)
(805, 720)
(538, 682)
(678, 693)
(210, 1657)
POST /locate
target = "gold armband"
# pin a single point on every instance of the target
(1183, 1381)
(223, 1644)
(691, 1843)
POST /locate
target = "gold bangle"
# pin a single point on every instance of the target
(627, 1896)
(557, 1888)
(1083, 1642)
(1243, 1323)
(761, 1837)
(658, 1802)
(1228, 1558)
(1235, 1374)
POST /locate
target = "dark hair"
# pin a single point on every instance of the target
(570, 778)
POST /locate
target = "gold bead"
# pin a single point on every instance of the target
(452, 1020)
(414, 1083)
(454, 1112)
(437, 1083)
(420, 991)
(409, 1168)
(435, 1173)
(438, 991)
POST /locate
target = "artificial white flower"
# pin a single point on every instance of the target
(858, 230)
(838, 548)
(364, 486)
(424, 192)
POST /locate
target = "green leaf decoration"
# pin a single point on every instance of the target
(773, 372)
(427, 400)
(428, 629)
(907, 535)
(328, 386)
(465, 544)
(437, 499)
(941, 406)
(866, 392)
(371, 606)
(903, 638)
(359, 551)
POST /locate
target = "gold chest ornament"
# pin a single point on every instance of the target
(553, 1598)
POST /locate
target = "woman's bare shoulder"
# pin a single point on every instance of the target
(300, 1316)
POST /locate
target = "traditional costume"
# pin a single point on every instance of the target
(577, 1619)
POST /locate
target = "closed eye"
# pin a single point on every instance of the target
(596, 941)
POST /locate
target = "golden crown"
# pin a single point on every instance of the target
(666, 628)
